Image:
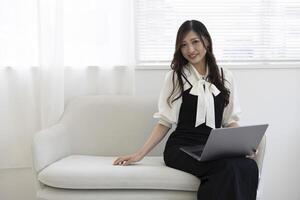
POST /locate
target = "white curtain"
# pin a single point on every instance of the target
(99, 35)
(48, 57)
(51, 61)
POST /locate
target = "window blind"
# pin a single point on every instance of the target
(241, 31)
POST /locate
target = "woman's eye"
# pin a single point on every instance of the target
(182, 45)
(195, 41)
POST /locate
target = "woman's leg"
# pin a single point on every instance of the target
(232, 178)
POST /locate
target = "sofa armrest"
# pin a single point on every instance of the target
(50, 145)
(261, 153)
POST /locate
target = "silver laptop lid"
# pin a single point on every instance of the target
(230, 142)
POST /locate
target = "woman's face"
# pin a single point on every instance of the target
(192, 49)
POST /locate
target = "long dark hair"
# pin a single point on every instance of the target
(179, 62)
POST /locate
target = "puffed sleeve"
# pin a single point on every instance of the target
(232, 111)
(167, 115)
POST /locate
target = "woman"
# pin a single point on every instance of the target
(198, 96)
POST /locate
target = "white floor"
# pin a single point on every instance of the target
(17, 184)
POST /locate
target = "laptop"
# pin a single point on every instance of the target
(228, 142)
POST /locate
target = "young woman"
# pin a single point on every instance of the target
(199, 96)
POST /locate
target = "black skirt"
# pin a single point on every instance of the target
(224, 179)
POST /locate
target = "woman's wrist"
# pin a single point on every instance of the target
(140, 154)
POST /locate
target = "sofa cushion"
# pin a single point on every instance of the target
(97, 172)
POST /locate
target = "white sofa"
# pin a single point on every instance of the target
(73, 159)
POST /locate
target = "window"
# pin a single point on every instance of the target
(18, 33)
(258, 31)
(93, 32)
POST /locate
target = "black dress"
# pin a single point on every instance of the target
(223, 179)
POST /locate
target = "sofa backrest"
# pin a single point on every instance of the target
(110, 125)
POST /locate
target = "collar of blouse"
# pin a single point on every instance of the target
(205, 91)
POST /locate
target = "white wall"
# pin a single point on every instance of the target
(267, 96)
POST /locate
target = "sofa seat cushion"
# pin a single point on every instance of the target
(97, 172)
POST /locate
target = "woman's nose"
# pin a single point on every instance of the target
(190, 49)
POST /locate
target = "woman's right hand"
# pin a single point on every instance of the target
(158, 133)
(128, 159)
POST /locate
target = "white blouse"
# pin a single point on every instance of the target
(205, 105)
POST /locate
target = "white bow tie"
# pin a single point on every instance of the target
(205, 104)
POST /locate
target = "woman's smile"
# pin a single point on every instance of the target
(192, 56)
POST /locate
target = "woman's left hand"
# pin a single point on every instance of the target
(253, 155)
